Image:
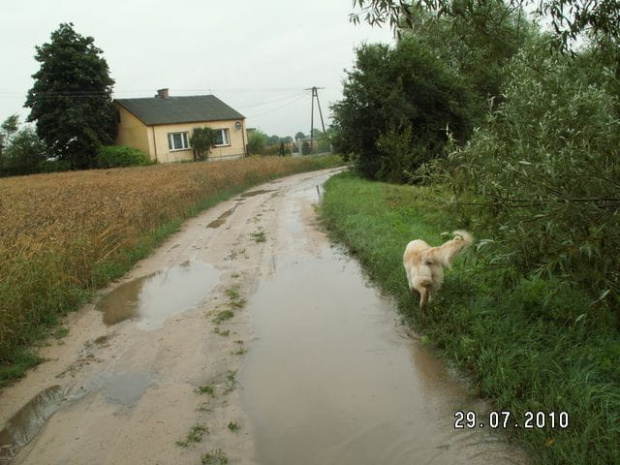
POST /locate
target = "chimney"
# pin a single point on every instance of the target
(162, 93)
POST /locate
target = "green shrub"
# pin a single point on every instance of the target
(257, 141)
(391, 89)
(543, 176)
(54, 166)
(114, 156)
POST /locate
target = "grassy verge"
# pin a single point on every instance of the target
(522, 345)
(63, 236)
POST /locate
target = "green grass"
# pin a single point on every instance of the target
(223, 315)
(234, 426)
(259, 236)
(194, 435)
(206, 389)
(214, 457)
(519, 338)
(234, 297)
(61, 332)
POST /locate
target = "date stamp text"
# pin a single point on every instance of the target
(505, 420)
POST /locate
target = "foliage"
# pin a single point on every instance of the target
(570, 19)
(260, 143)
(7, 129)
(21, 151)
(202, 141)
(257, 140)
(477, 45)
(391, 89)
(71, 98)
(24, 153)
(521, 340)
(114, 156)
(398, 155)
(305, 148)
(543, 176)
(54, 166)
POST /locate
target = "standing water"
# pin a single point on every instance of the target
(332, 379)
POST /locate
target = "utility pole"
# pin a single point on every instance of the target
(315, 94)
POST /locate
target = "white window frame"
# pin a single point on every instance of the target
(184, 141)
(224, 136)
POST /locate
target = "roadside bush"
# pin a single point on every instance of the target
(54, 166)
(115, 156)
(544, 176)
(257, 141)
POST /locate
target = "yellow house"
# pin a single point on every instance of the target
(161, 126)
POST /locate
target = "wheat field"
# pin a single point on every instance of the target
(64, 235)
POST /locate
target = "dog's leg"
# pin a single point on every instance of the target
(424, 296)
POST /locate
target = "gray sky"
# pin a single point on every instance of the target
(257, 56)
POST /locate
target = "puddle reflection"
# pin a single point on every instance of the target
(154, 298)
(27, 422)
(330, 379)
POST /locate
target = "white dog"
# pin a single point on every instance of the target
(424, 264)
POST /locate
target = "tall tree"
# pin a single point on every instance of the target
(71, 100)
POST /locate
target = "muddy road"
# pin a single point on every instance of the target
(246, 336)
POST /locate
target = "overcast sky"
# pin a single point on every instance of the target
(257, 56)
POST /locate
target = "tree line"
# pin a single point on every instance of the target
(260, 143)
(520, 123)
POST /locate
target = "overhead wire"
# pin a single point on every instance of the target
(279, 108)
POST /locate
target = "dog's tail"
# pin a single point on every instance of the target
(467, 238)
(446, 253)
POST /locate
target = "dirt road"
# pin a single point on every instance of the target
(182, 361)
(125, 385)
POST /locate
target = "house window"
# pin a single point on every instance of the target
(178, 141)
(222, 137)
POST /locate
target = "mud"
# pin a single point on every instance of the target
(334, 379)
(255, 193)
(320, 374)
(220, 220)
(154, 298)
(27, 422)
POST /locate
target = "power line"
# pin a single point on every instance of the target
(299, 97)
(273, 101)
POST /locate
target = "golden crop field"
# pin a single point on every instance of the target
(64, 235)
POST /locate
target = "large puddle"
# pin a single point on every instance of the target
(333, 379)
(154, 298)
